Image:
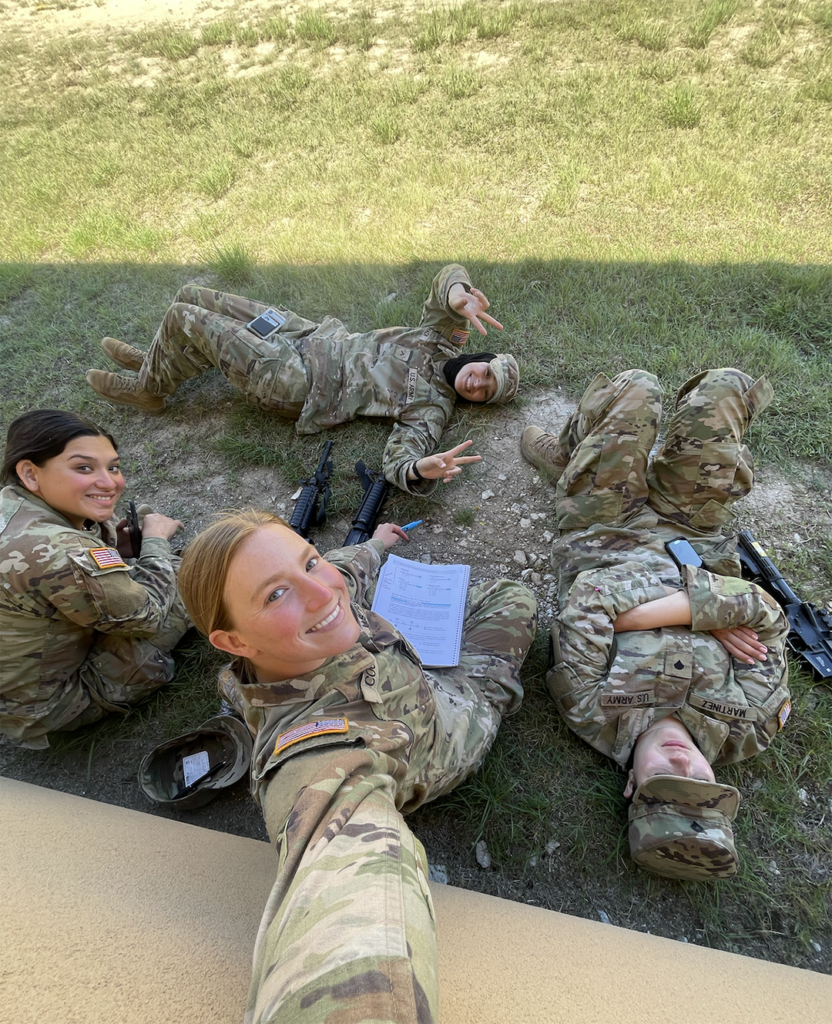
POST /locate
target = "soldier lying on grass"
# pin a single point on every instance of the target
(666, 668)
(322, 375)
(350, 732)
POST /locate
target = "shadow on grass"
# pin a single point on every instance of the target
(549, 808)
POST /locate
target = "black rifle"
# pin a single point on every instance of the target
(375, 494)
(307, 511)
(810, 635)
(134, 531)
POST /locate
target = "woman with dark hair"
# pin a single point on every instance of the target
(84, 633)
(321, 374)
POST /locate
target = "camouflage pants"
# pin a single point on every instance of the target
(204, 328)
(348, 932)
(118, 671)
(698, 473)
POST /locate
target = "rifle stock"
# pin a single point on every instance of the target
(310, 508)
(810, 634)
(364, 522)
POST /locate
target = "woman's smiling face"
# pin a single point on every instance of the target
(289, 607)
(83, 482)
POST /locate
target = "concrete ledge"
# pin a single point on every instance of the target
(110, 916)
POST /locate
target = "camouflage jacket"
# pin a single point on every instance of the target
(55, 596)
(394, 373)
(375, 693)
(610, 687)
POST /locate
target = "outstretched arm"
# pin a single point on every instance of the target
(472, 304)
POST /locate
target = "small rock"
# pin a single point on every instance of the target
(772, 866)
(803, 796)
(483, 856)
(520, 558)
(816, 946)
(683, 938)
(524, 575)
(551, 846)
(548, 536)
(756, 784)
(548, 578)
(390, 297)
(438, 528)
(502, 476)
(798, 539)
(438, 873)
(536, 579)
(515, 508)
(426, 559)
(604, 918)
(525, 524)
(532, 862)
(535, 479)
(486, 495)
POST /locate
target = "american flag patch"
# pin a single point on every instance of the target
(305, 732)
(459, 337)
(107, 558)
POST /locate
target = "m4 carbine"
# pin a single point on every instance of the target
(310, 508)
(810, 634)
(375, 494)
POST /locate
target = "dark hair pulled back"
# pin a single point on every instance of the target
(42, 434)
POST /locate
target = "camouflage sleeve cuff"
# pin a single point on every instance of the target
(618, 590)
(453, 274)
(155, 547)
(720, 602)
(359, 565)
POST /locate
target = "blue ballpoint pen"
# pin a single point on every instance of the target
(413, 525)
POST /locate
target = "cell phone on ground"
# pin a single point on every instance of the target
(267, 323)
(682, 553)
(134, 531)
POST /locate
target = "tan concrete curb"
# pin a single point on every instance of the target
(114, 917)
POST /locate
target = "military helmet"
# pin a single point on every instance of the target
(190, 770)
(681, 828)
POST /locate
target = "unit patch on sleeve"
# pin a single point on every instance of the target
(784, 712)
(459, 337)
(305, 732)
(107, 558)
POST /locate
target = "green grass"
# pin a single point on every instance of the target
(715, 13)
(645, 183)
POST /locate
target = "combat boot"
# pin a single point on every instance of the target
(124, 390)
(544, 451)
(125, 355)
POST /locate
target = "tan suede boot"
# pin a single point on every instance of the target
(123, 354)
(124, 390)
(544, 452)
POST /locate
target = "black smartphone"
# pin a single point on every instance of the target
(267, 323)
(682, 552)
(134, 531)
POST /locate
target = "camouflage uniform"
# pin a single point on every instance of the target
(615, 514)
(321, 374)
(339, 754)
(78, 640)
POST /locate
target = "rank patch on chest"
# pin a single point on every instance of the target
(305, 732)
(107, 558)
(459, 337)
